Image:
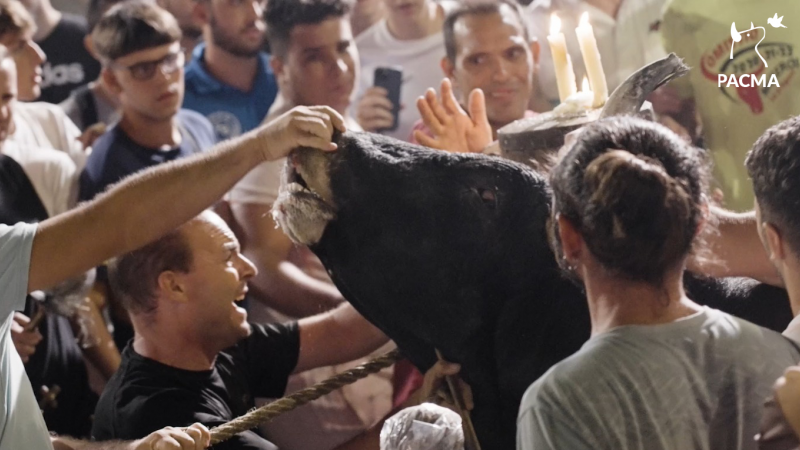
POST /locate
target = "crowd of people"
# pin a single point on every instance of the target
(141, 150)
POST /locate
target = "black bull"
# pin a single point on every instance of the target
(449, 251)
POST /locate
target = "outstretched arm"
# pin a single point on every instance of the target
(735, 250)
(146, 205)
(336, 337)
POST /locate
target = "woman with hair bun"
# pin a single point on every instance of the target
(660, 371)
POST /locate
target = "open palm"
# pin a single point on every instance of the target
(453, 129)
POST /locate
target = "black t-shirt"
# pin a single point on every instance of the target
(69, 65)
(145, 395)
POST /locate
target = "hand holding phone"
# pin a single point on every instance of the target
(390, 79)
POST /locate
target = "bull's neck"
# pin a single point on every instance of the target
(615, 302)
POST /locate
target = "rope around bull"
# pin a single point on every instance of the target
(269, 411)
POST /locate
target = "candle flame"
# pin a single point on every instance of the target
(584, 19)
(585, 85)
(555, 24)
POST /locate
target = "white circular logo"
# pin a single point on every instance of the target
(226, 125)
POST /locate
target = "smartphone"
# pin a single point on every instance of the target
(391, 79)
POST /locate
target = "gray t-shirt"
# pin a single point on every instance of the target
(697, 383)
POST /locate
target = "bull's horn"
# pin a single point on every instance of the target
(629, 97)
(735, 34)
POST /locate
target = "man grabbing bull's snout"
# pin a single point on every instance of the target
(138, 210)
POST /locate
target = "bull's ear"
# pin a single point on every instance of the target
(735, 34)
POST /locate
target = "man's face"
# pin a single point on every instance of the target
(150, 82)
(237, 26)
(492, 54)
(320, 65)
(217, 280)
(28, 58)
(8, 95)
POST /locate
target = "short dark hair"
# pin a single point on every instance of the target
(475, 8)
(774, 167)
(133, 26)
(96, 10)
(635, 191)
(134, 276)
(283, 15)
(14, 18)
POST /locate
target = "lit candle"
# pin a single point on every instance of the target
(591, 60)
(565, 76)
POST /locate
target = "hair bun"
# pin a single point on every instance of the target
(635, 209)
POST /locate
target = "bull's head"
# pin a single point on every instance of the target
(750, 95)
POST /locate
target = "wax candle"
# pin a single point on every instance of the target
(592, 62)
(562, 64)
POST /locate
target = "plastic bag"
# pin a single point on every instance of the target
(424, 427)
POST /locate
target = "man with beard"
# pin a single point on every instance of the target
(229, 79)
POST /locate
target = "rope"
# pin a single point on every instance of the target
(268, 412)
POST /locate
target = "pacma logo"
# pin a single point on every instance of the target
(755, 70)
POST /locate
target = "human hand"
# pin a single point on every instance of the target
(453, 129)
(374, 111)
(91, 134)
(787, 393)
(195, 437)
(435, 388)
(302, 126)
(24, 341)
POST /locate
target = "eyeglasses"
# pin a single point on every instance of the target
(145, 70)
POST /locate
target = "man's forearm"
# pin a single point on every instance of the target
(290, 291)
(139, 209)
(336, 337)
(735, 250)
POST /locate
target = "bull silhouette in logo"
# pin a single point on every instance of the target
(737, 37)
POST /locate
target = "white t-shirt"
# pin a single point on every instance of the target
(696, 383)
(421, 63)
(626, 43)
(21, 423)
(44, 125)
(52, 174)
